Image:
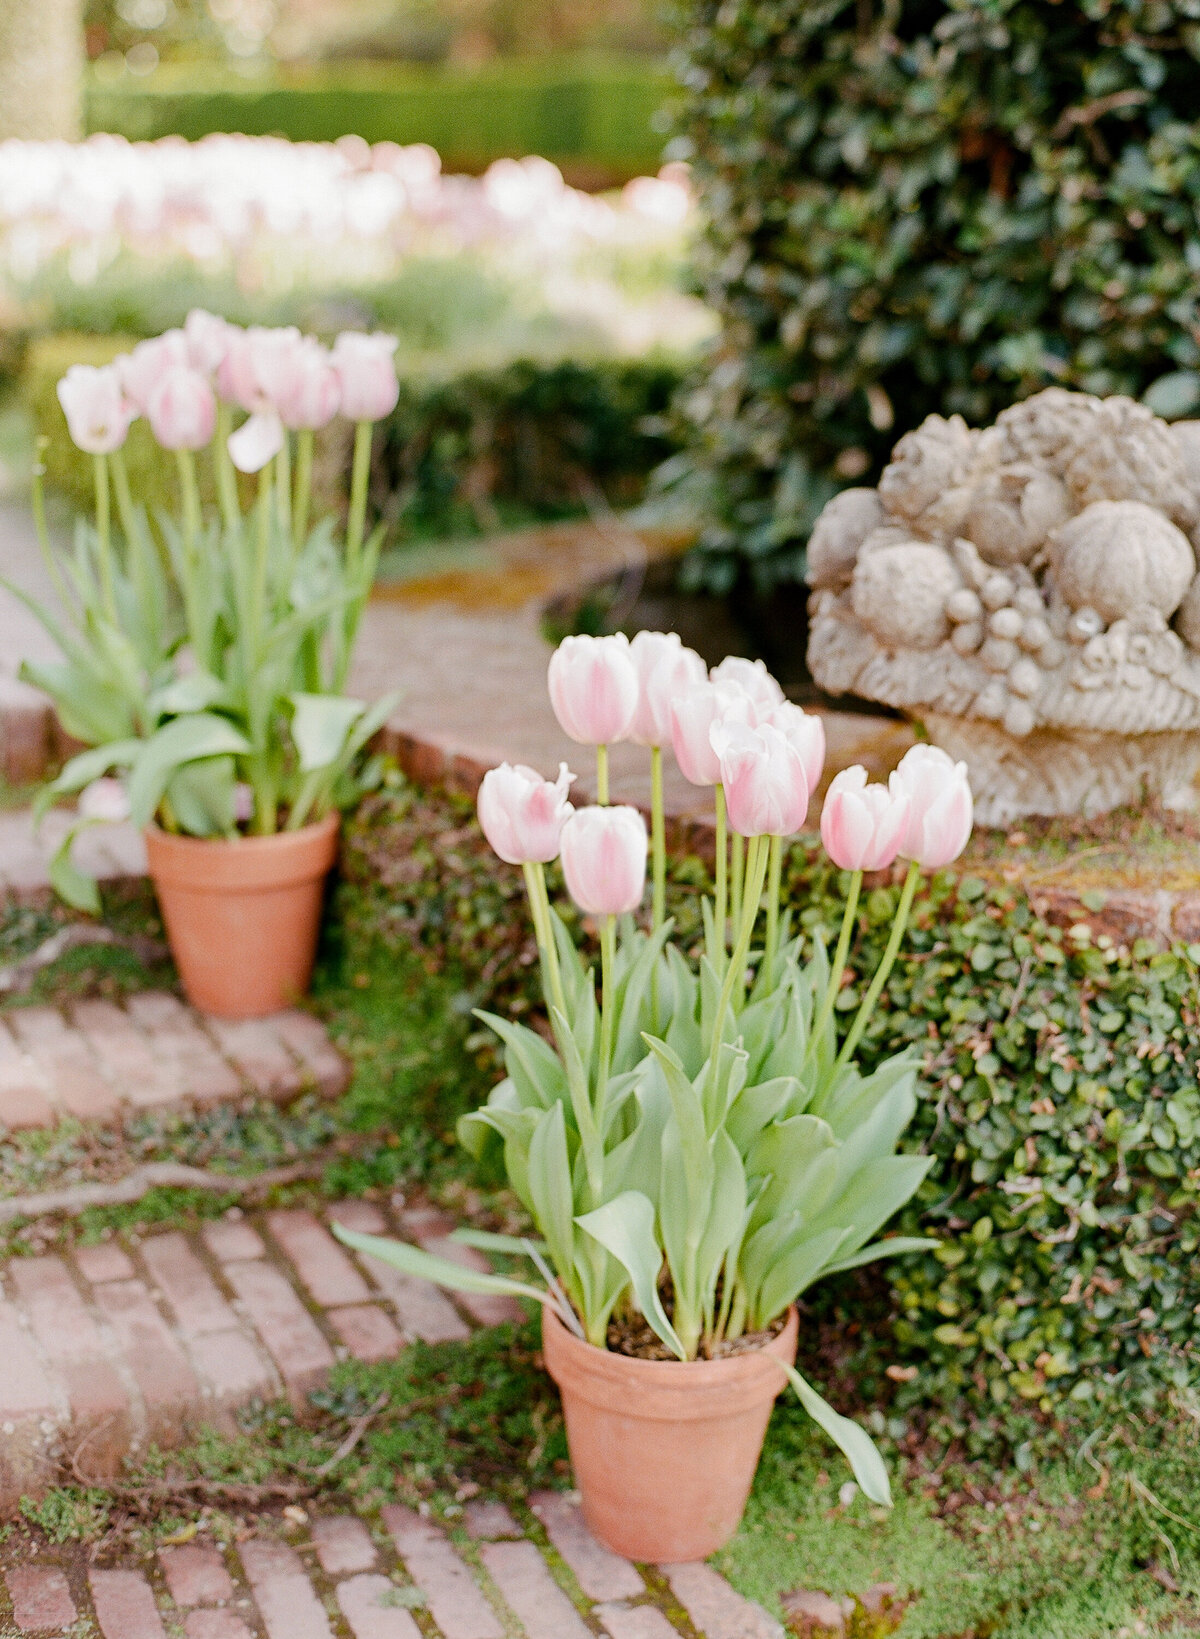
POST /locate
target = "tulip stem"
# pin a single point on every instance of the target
(120, 476)
(737, 867)
(231, 509)
(774, 880)
(262, 555)
(602, 776)
(863, 1017)
(38, 477)
(356, 522)
(283, 485)
(658, 841)
(829, 1000)
(186, 462)
(543, 926)
(721, 907)
(756, 871)
(608, 962)
(304, 466)
(104, 535)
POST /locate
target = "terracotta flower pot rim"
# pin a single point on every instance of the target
(672, 1390)
(242, 863)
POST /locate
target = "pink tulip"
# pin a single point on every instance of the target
(941, 811)
(367, 373)
(182, 410)
(259, 367)
(142, 370)
(104, 800)
(693, 715)
(256, 441)
(97, 411)
(806, 732)
(307, 390)
(665, 670)
(523, 815)
(604, 859)
(594, 688)
(752, 676)
(862, 826)
(766, 793)
(237, 382)
(207, 340)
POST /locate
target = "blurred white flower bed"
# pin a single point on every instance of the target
(276, 217)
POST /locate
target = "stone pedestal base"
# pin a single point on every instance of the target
(1053, 773)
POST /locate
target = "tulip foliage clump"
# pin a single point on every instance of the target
(204, 658)
(696, 1146)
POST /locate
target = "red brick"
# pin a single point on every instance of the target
(125, 1606)
(421, 1223)
(73, 1343)
(29, 1402)
(309, 1041)
(24, 1093)
(289, 1607)
(599, 1572)
(25, 735)
(291, 1335)
(359, 1216)
(144, 1077)
(40, 1597)
(190, 1290)
(196, 1574)
(368, 1604)
(258, 1054)
(366, 1332)
(489, 1309)
(203, 1076)
(232, 1241)
(320, 1262)
(634, 1622)
(455, 1601)
(159, 1366)
(716, 1610)
(67, 1063)
(343, 1545)
(232, 1369)
(489, 1521)
(421, 1308)
(104, 1262)
(215, 1625)
(523, 1577)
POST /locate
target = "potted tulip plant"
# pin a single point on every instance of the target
(204, 657)
(696, 1146)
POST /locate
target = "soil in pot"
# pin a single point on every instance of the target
(242, 916)
(664, 1451)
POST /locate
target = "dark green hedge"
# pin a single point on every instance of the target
(923, 207)
(524, 439)
(582, 114)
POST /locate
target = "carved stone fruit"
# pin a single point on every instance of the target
(839, 533)
(1118, 557)
(900, 592)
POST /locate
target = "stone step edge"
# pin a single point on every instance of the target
(138, 1340)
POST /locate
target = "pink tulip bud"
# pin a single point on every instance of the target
(142, 370)
(256, 441)
(766, 793)
(307, 391)
(522, 814)
(665, 670)
(693, 715)
(97, 411)
(367, 373)
(207, 340)
(752, 676)
(862, 826)
(806, 732)
(182, 410)
(104, 800)
(259, 367)
(594, 688)
(941, 811)
(604, 859)
(236, 380)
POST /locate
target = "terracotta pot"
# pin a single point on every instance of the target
(242, 915)
(664, 1451)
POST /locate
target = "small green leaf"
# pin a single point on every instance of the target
(854, 1442)
(625, 1228)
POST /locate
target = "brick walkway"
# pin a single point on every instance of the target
(98, 1061)
(491, 1576)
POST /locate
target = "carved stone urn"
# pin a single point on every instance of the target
(1029, 593)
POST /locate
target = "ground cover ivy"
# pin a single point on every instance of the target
(917, 208)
